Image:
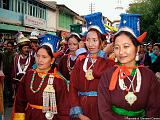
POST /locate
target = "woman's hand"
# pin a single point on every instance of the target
(108, 48)
(83, 117)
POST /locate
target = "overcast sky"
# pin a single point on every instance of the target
(107, 7)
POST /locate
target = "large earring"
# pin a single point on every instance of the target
(137, 57)
(115, 59)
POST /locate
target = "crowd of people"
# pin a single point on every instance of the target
(86, 79)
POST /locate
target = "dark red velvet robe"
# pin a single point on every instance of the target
(25, 95)
(62, 67)
(15, 70)
(79, 83)
(65, 72)
(147, 98)
(22, 61)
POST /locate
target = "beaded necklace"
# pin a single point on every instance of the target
(40, 85)
(69, 65)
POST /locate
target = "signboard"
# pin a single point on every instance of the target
(34, 22)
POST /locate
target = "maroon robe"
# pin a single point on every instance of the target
(79, 83)
(22, 61)
(147, 98)
(63, 69)
(63, 66)
(25, 95)
(15, 69)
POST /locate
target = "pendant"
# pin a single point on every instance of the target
(49, 88)
(130, 98)
(49, 115)
(89, 74)
(22, 66)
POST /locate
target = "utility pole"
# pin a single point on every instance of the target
(119, 5)
(92, 7)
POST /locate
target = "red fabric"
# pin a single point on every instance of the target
(81, 57)
(62, 67)
(57, 54)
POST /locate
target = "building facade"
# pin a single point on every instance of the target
(26, 15)
(66, 18)
(23, 15)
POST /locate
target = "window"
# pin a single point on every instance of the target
(37, 9)
(19, 6)
(40, 13)
(30, 10)
(5, 4)
(22, 7)
(34, 11)
(1, 4)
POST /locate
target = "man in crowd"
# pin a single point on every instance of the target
(23, 61)
(7, 70)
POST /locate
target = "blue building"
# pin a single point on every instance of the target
(23, 15)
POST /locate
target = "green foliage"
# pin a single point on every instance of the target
(150, 20)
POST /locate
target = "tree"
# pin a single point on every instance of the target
(150, 20)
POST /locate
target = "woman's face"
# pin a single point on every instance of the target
(124, 50)
(92, 42)
(43, 60)
(73, 44)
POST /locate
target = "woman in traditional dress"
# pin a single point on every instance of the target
(41, 92)
(85, 77)
(67, 62)
(127, 90)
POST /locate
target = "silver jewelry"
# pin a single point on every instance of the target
(23, 68)
(49, 99)
(131, 97)
(49, 115)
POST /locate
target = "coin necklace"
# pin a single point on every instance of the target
(131, 97)
(89, 71)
